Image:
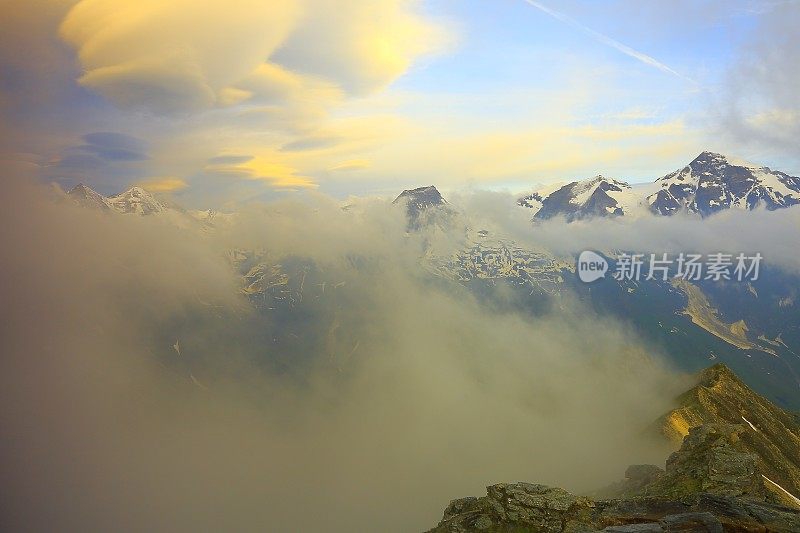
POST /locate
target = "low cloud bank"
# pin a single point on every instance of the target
(419, 395)
(773, 233)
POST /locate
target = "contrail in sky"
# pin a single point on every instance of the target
(608, 41)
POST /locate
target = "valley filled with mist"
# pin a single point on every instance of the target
(309, 364)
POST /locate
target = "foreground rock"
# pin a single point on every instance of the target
(716, 481)
(525, 507)
(514, 505)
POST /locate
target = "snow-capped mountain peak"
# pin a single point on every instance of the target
(88, 197)
(137, 200)
(597, 196)
(585, 189)
(713, 182)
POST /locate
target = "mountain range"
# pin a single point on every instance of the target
(709, 184)
(139, 201)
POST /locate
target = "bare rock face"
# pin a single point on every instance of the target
(714, 460)
(530, 508)
(519, 507)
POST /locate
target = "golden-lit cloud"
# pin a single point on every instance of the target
(163, 184)
(381, 147)
(362, 44)
(185, 55)
(350, 165)
(278, 175)
(271, 83)
(544, 152)
(272, 169)
(304, 88)
(174, 55)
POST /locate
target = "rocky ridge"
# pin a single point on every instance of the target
(768, 432)
(716, 481)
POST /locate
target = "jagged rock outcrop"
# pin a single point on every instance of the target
(530, 508)
(714, 482)
(702, 513)
(712, 459)
(512, 506)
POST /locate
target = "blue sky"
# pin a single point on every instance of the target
(372, 96)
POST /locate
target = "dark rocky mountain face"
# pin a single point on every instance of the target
(567, 200)
(718, 480)
(419, 201)
(714, 182)
(580, 199)
(420, 198)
